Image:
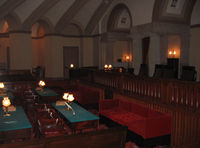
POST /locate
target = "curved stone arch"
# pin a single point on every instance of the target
(69, 14)
(13, 21)
(45, 24)
(38, 12)
(79, 27)
(163, 12)
(117, 23)
(3, 26)
(8, 6)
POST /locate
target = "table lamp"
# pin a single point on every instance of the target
(109, 67)
(1, 85)
(105, 67)
(6, 103)
(69, 98)
(65, 96)
(71, 65)
(41, 84)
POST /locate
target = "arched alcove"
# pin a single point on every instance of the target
(72, 29)
(39, 31)
(4, 44)
(119, 19)
(116, 42)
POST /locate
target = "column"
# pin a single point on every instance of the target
(163, 49)
(137, 54)
(184, 51)
(154, 53)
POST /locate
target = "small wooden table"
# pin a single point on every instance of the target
(13, 127)
(82, 118)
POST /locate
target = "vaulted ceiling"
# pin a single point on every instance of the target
(87, 14)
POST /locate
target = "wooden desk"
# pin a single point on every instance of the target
(47, 95)
(82, 118)
(16, 126)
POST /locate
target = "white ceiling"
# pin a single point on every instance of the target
(141, 10)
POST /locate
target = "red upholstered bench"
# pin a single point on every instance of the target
(139, 119)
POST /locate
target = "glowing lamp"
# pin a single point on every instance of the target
(127, 58)
(6, 103)
(110, 67)
(106, 66)
(65, 96)
(42, 83)
(174, 53)
(71, 65)
(1, 85)
(70, 98)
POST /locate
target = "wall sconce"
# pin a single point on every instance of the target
(127, 58)
(6, 103)
(71, 65)
(69, 98)
(172, 53)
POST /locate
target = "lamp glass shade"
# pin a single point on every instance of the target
(42, 83)
(2, 85)
(110, 66)
(105, 66)
(6, 102)
(70, 98)
(65, 96)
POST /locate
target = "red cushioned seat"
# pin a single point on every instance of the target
(141, 120)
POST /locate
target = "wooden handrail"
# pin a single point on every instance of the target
(169, 91)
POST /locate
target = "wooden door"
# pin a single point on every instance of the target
(70, 56)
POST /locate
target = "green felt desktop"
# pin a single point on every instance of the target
(17, 120)
(81, 114)
(46, 92)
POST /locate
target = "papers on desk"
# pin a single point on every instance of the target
(10, 108)
(60, 103)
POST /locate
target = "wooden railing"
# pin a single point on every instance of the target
(180, 99)
(181, 93)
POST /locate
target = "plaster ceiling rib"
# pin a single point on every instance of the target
(9, 6)
(37, 13)
(69, 14)
(97, 16)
